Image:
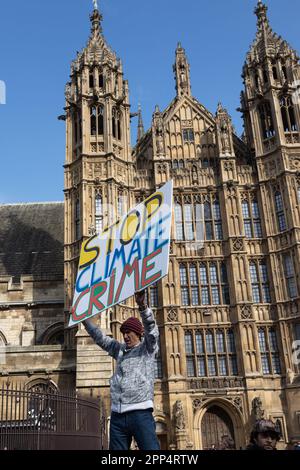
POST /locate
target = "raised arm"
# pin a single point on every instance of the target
(105, 342)
(151, 333)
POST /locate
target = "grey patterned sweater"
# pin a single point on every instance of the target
(132, 385)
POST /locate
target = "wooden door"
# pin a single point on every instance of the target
(216, 424)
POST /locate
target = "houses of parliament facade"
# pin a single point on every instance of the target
(229, 310)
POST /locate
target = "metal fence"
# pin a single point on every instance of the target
(42, 420)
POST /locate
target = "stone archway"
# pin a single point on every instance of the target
(216, 424)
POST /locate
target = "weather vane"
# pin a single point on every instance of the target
(95, 4)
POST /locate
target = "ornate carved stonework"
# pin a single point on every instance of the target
(295, 163)
(198, 403)
(216, 383)
(237, 402)
(172, 315)
(237, 244)
(187, 124)
(246, 312)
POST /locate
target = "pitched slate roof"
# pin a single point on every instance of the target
(32, 240)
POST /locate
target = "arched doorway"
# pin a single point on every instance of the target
(216, 428)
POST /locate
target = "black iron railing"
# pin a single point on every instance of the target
(35, 420)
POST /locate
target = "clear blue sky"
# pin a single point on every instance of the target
(39, 39)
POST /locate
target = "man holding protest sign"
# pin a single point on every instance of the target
(132, 385)
(126, 258)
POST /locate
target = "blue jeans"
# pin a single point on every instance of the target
(139, 424)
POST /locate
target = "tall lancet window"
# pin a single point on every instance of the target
(97, 120)
(116, 124)
(251, 216)
(77, 219)
(98, 213)
(93, 120)
(91, 80)
(289, 272)
(120, 205)
(266, 120)
(280, 211)
(101, 79)
(100, 120)
(288, 114)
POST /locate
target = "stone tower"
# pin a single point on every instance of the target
(270, 105)
(98, 172)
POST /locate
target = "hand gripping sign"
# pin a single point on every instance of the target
(126, 257)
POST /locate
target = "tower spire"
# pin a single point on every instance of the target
(96, 19)
(141, 130)
(261, 13)
(182, 72)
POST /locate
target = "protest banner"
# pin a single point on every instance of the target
(128, 256)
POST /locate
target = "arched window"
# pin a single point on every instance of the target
(251, 216)
(265, 75)
(153, 295)
(284, 71)
(194, 280)
(101, 79)
(100, 120)
(288, 114)
(98, 213)
(97, 120)
(91, 80)
(204, 284)
(42, 403)
(274, 70)
(266, 119)
(260, 282)
(210, 352)
(189, 351)
(179, 226)
(77, 219)
(213, 220)
(116, 123)
(93, 120)
(280, 211)
(269, 351)
(289, 272)
(185, 297)
(54, 334)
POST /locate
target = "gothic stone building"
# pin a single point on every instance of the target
(228, 312)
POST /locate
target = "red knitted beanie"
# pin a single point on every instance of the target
(132, 324)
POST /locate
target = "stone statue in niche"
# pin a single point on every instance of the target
(257, 409)
(159, 132)
(182, 69)
(290, 376)
(225, 139)
(179, 416)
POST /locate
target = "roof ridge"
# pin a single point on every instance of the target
(31, 203)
